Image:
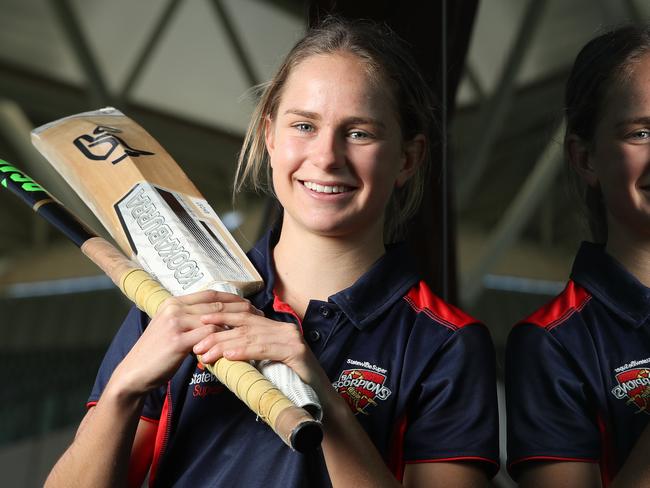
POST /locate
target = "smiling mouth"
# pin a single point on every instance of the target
(326, 188)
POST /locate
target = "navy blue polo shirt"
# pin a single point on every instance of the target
(578, 369)
(418, 373)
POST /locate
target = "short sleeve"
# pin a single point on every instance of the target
(549, 413)
(455, 416)
(127, 335)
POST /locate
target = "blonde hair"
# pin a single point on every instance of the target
(387, 59)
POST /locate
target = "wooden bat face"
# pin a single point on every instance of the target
(146, 202)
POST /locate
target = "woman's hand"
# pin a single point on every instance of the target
(170, 337)
(244, 334)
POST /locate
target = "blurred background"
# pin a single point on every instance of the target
(496, 233)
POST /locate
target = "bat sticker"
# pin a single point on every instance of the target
(95, 146)
(15, 175)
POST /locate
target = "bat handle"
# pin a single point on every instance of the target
(295, 426)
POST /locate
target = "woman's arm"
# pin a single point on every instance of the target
(458, 475)
(101, 452)
(560, 474)
(635, 473)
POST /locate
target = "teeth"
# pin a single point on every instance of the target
(324, 188)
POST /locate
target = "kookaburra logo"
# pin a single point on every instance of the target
(103, 144)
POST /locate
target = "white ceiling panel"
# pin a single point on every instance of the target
(31, 39)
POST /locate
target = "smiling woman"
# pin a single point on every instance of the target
(341, 137)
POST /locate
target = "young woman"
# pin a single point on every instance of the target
(578, 370)
(407, 382)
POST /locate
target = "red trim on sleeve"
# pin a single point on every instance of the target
(396, 455)
(422, 299)
(572, 299)
(162, 435)
(90, 404)
(607, 470)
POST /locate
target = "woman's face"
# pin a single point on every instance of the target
(336, 147)
(620, 154)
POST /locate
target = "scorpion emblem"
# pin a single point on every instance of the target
(358, 397)
(361, 387)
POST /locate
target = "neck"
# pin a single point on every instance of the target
(631, 250)
(310, 266)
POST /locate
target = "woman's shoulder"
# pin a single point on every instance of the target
(422, 300)
(560, 309)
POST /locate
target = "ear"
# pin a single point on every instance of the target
(412, 157)
(579, 156)
(269, 135)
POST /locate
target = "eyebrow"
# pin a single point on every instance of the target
(645, 120)
(349, 120)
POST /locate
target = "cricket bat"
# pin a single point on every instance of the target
(294, 425)
(155, 214)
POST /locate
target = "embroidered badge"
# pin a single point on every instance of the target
(634, 384)
(362, 387)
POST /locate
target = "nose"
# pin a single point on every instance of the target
(328, 150)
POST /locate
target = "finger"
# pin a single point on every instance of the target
(238, 316)
(234, 312)
(207, 296)
(194, 336)
(175, 319)
(255, 352)
(255, 336)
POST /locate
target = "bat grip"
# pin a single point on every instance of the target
(295, 426)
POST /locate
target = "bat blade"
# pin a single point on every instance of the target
(146, 202)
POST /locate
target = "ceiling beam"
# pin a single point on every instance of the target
(495, 108)
(69, 22)
(145, 53)
(224, 17)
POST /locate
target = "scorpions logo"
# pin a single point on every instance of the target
(103, 142)
(361, 387)
(634, 384)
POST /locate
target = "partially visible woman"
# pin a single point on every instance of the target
(578, 369)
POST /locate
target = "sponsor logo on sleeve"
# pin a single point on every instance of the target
(362, 387)
(633, 385)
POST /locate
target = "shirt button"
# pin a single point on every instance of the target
(313, 335)
(324, 311)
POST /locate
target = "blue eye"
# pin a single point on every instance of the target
(357, 134)
(641, 134)
(304, 127)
